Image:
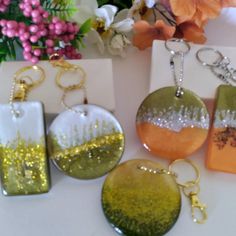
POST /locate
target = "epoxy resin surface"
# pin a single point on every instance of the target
(86, 144)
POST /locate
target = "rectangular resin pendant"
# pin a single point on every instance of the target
(221, 153)
(23, 157)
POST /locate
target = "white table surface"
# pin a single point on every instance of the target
(73, 207)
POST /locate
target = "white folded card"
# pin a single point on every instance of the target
(197, 78)
(99, 84)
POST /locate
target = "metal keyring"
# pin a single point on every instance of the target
(57, 61)
(33, 83)
(174, 52)
(196, 170)
(214, 63)
(74, 86)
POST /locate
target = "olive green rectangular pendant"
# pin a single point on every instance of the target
(221, 153)
(23, 157)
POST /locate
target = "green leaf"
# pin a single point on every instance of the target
(85, 27)
(3, 49)
(7, 49)
(60, 8)
(11, 47)
(2, 58)
(102, 2)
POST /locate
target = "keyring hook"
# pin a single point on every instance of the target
(57, 61)
(196, 205)
(24, 83)
(173, 51)
(195, 168)
(215, 63)
(190, 189)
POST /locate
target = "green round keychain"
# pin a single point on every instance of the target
(142, 198)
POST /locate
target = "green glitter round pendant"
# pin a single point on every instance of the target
(138, 202)
(172, 127)
(86, 142)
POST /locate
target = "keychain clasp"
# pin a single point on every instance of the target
(190, 188)
(22, 90)
(57, 61)
(24, 83)
(197, 205)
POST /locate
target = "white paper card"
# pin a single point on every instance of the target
(197, 78)
(99, 84)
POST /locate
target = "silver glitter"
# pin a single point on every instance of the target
(174, 119)
(225, 118)
(77, 136)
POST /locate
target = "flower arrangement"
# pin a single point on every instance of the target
(119, 23)
(40, 28)
(43, 27)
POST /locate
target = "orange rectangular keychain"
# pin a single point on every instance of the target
(221, 153)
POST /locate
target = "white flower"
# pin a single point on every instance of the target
(107, 14)
(124, 26)
(118, 44)
(148, 3)
(107, 24)
(138, 5)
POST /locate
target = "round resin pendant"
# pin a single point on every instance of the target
(139, 202)
(87, 143)
(172, 127)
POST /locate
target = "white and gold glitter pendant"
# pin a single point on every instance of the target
(86, 142)
(23, 159)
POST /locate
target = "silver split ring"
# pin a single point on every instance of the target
(216, 62)
(174, 51)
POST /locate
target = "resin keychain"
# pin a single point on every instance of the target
(173, 122)
(23, 156)
(85, 141)
(221, 150)
(141, 197)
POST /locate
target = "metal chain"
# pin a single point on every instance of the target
(182, 49)
(178, 78)
(64, 67)
(157, 171)
(72, 109)
(23, 84)
(227, 74)
(15, 112)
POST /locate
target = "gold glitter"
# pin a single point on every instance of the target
(24, 167)
(91, 159)
(94, 143)
(140, 203)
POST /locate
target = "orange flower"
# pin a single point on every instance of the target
(144, 33)
(191, 32)
(228, 3)
(197, 11)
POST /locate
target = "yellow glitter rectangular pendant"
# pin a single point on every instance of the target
(23, 157)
